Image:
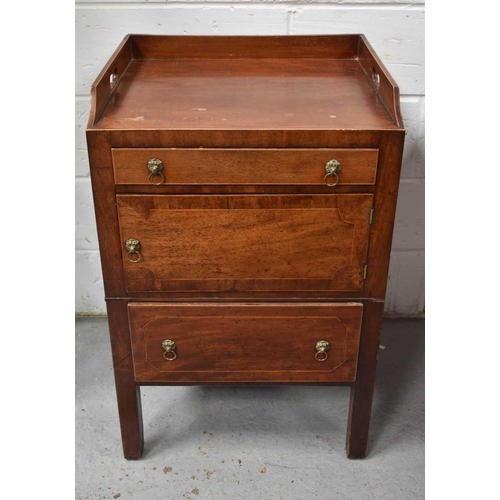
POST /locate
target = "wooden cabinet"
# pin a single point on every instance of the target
(245, 191)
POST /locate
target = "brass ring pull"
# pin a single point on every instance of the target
(169, 350)
(322, 347)
(155, 167)
(134, 259)
(321, 356)
(333, 169)
(329, 184)
(133, 246)
(152, 176)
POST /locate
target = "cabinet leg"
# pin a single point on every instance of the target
(360, 406)
(127, 391)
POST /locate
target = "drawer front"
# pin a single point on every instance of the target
(245, 243)
(245, 342)
(245, 166)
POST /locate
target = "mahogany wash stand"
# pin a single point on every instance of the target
(245, 191)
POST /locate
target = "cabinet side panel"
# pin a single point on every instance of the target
(103, 188)
(381, 80)
(386, 195)
(108, 79)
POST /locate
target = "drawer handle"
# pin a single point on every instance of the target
(333, 169)
(133, 246)
(322, 347)
(169, 350)
(155, 167)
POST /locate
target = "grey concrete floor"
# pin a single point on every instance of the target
(252, 442)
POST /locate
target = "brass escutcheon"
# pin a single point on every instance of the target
(169, 349)
(155, 167)
(322, 347)
(133, 246)
(333, 169)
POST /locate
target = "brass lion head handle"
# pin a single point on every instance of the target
(133, 246)
(169, 349)
(333, 169)
(322, 347)
(155, 167)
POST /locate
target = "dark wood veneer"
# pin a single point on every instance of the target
(244, 247)
(245, 342)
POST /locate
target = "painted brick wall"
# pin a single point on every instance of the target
(395, 28)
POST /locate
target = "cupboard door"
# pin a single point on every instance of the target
(245, 243)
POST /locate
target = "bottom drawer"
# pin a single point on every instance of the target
(245, 342)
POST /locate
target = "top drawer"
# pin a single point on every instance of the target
(244, 166)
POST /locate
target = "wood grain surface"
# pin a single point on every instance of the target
(381, 80)
(360, 406)
(103, 190)
(244, 47)
(253, 138)
(245, 166)
(391, 151)
(217, 243)
(245, 342)
(102, 89)
(228, 82)
(128, 393)
(250, 94)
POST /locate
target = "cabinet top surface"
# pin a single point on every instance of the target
(302, 89)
